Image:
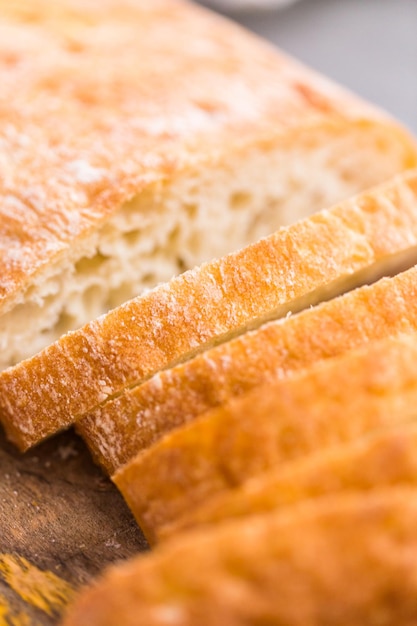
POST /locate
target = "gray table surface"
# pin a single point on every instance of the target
(370, 46)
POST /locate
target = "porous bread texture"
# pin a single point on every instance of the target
(177, 224)
(113, 181)
(118, 430)
(330, 403)
(315, 259)
(387, 457)
(347, 559)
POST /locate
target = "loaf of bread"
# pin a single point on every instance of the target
(119, 429)
(309, 261)
(388, 456)
(142, 138)
(331, 403)
(113, 180)
(139, 139)
(343, 560)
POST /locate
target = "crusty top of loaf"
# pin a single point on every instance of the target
(102, 98)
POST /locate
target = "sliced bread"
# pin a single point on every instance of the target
(343, 560)
(315, 259)
(118, 430)
(147, 137)
(328, 404)
(385, 457)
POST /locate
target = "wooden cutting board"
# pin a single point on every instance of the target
(61, 522)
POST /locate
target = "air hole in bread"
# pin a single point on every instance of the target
(64, 322)
(240, 199)
(132, 238)
(90, 265)
(122, 293)
(191, 210)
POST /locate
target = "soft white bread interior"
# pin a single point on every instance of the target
(114, 181)
(330, 403)
(341, 560)
(312, 260)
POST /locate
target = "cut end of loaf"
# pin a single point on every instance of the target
(204, 213)
(313, 260)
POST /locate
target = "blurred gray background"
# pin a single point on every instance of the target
(370, 46)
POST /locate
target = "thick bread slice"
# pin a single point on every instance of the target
(314, 259)
(329, 404)
(147, 137)
(339, 561)
(386, 457)
(139, 417)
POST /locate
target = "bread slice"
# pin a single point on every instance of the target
(385, 457)
(119, 429)
(349, 559)
(312, 260)
(148, 137)
(330, 404)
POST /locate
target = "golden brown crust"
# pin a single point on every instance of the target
(136, 419)
(95, 118)
(329, 404)
(292, 268)
(338, 561)
(384, 458)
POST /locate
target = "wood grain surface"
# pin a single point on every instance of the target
(61, 522)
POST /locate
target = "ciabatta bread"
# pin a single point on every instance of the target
(328, 404)
(339, 561)
(142, 138)
(385, 457)
(134, 420)
(312, 260)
